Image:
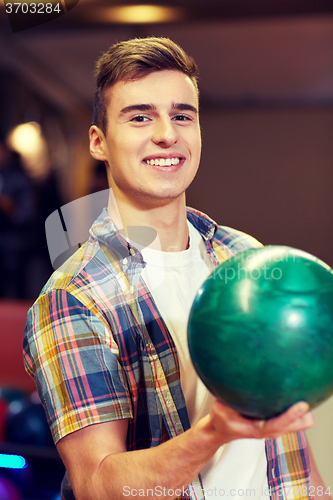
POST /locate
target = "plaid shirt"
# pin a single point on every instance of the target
(99, 351)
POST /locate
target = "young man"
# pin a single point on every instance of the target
(106, 340)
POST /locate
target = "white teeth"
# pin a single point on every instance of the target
(162, 162)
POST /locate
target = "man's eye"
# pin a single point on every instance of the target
(139, 119)
(182, 118)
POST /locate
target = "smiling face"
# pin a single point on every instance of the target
(152, 143)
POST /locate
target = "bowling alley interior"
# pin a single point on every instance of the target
(266, 115)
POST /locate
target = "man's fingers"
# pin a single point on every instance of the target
(298, 410)
(298, 417)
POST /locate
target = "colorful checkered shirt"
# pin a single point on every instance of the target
(99, 351)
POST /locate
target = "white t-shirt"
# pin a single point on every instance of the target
(238, 469)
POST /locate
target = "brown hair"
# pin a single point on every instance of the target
(134, 59)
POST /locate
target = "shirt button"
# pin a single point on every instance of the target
(125, 261)
(132, 251)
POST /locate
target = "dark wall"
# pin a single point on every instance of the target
(269, 172)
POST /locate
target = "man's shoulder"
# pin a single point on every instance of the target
(74, 270)
(87, 263)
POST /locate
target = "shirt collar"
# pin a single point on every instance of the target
(206, 226)
(106, 232)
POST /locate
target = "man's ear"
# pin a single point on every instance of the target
(97, 143)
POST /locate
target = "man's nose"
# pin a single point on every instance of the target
(165, 133)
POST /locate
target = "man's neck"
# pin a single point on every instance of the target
(169, 220)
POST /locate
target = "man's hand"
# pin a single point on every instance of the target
(231, 425)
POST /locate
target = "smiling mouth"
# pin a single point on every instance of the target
(164, 162)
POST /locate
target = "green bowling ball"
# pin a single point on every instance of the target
(260, 331)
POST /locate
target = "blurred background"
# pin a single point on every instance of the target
(266, 104)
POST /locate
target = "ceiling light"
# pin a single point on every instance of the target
(140, 14)
(26, 138)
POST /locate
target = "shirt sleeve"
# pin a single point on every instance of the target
(73, 357)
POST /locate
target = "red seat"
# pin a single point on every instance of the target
(13, 315)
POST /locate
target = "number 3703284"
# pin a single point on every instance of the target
(32, 8)
(304, 491)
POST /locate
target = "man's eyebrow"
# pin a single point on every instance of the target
(179, 106)
(184, 107)
(137, 107)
